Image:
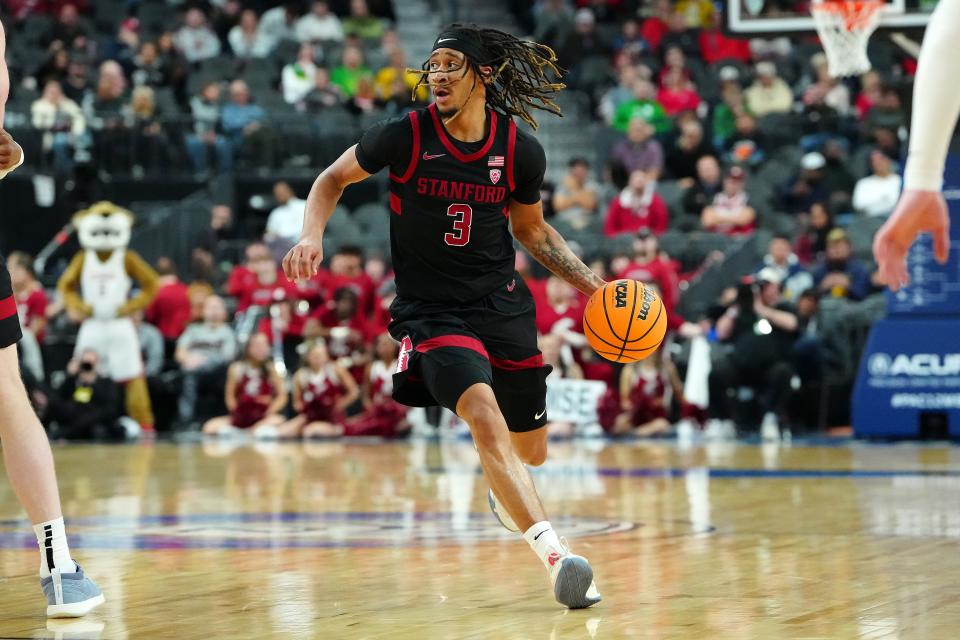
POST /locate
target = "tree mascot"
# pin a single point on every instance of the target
(96, 287)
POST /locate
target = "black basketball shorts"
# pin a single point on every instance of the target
(10, 332)
(447, 348)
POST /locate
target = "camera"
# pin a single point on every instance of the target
(745, 294)
(86, 366)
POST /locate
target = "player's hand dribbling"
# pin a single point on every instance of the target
(916, 212)
(302, 262)
(10, 151)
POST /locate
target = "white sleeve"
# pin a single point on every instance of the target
(859, 196)
(936, 99)
(4, 172)
(274, 223)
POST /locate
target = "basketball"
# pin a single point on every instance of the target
(625, 321)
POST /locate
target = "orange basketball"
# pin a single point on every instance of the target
(625, 321)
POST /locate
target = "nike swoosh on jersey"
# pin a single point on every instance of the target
(540, 415)
(428, 156)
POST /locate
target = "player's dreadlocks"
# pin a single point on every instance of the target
(522, 70)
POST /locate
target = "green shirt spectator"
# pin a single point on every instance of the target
(731, 105)
(642, 105)
(724, 121)
(361, 23)
(347, 75)
(649, 110)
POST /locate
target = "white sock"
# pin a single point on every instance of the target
(545, 543)
(54, 552)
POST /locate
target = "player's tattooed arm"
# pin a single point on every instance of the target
(549, 248)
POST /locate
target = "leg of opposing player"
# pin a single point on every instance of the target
(29, 463)
(571, 575)
(26, 451)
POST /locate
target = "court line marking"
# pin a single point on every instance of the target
(291, 516)
(133, 532)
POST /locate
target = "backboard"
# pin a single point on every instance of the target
(768, 18)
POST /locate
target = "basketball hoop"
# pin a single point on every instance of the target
(845, 26)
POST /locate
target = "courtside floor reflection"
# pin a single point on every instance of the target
(394, 540)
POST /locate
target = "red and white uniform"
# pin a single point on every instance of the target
(548, 316)
(726, 205)
(362, 285)
(31, 306)
(381, 379)
(345, 346)
(255, 391)
(660, 271)
(319, 392)
(249, 291)
(170, 310)
(648, 397)
(386, 414)
(288, 330)
(629, 212)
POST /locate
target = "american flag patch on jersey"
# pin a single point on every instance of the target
(495, 161)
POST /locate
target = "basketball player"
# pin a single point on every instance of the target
(461, 174)
(936, 104)
(26, 452)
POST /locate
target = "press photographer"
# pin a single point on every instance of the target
(762, 328)
(86, 406)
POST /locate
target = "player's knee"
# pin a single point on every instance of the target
(484, 419)
(534, 456)
(486, 423)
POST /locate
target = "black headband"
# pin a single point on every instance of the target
(466, 41)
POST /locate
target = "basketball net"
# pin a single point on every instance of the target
(844, 27)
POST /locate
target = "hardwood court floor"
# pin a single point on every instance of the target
(396, 541)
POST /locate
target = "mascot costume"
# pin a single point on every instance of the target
(96, 287)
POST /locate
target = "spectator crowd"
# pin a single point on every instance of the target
(707, 146)
(146, 87)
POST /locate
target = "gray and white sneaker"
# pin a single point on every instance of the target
(70, 595)
(502, 516)
(572, 578)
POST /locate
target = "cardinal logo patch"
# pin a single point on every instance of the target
(403, 359)
(495, 175)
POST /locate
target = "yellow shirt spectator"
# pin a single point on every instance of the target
(386, 78)
(696, 13)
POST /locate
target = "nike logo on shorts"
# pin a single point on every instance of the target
(427, 156)
(541, 414)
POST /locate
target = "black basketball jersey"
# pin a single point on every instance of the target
(450, 236)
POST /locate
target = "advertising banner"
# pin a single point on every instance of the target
(573, 401)
(911, 365)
